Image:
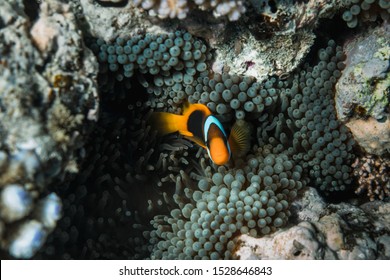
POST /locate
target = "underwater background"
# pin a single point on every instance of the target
(84, 176)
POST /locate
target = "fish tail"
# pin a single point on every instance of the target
(239, 138)
(166, 123)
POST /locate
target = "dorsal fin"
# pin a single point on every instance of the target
(239, 138)
(185, 108)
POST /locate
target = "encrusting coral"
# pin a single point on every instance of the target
(372, 173)
(362, 91)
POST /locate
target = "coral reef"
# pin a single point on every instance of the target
(273, 40)
(288, 16)
(339, 232)
(278, 15)
(85, 177)
(48, 97)
(301, 242)
(373, 176)
(281, 43)
(200, 227)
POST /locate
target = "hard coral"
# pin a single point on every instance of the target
(180, 8)
(372, 173)
(165, 8)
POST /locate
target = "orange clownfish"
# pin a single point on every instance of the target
(200, 126)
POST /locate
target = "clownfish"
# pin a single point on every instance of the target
(199, 125)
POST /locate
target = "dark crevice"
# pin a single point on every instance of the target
(335, 29)
(297, 253)
(31, 8)
(272, 4)
(119, 4)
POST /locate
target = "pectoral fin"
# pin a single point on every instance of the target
(239, 138)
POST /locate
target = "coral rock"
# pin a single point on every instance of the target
(371, 135)
(300, 242)
(363, 88)
(343, 232)
(49, 103)
(110, 22)
(373, 176)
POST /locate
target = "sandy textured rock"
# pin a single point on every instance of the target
(279, 44)
(109, 22)
(245, 54)
(288, 16)
(301, 242)
(372, 136)
(311, 206)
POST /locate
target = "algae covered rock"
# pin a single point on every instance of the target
(362, 97)
(364, 84)
(48, 98)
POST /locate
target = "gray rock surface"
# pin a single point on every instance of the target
(247, 55)
(108, 23)
(362, 91)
